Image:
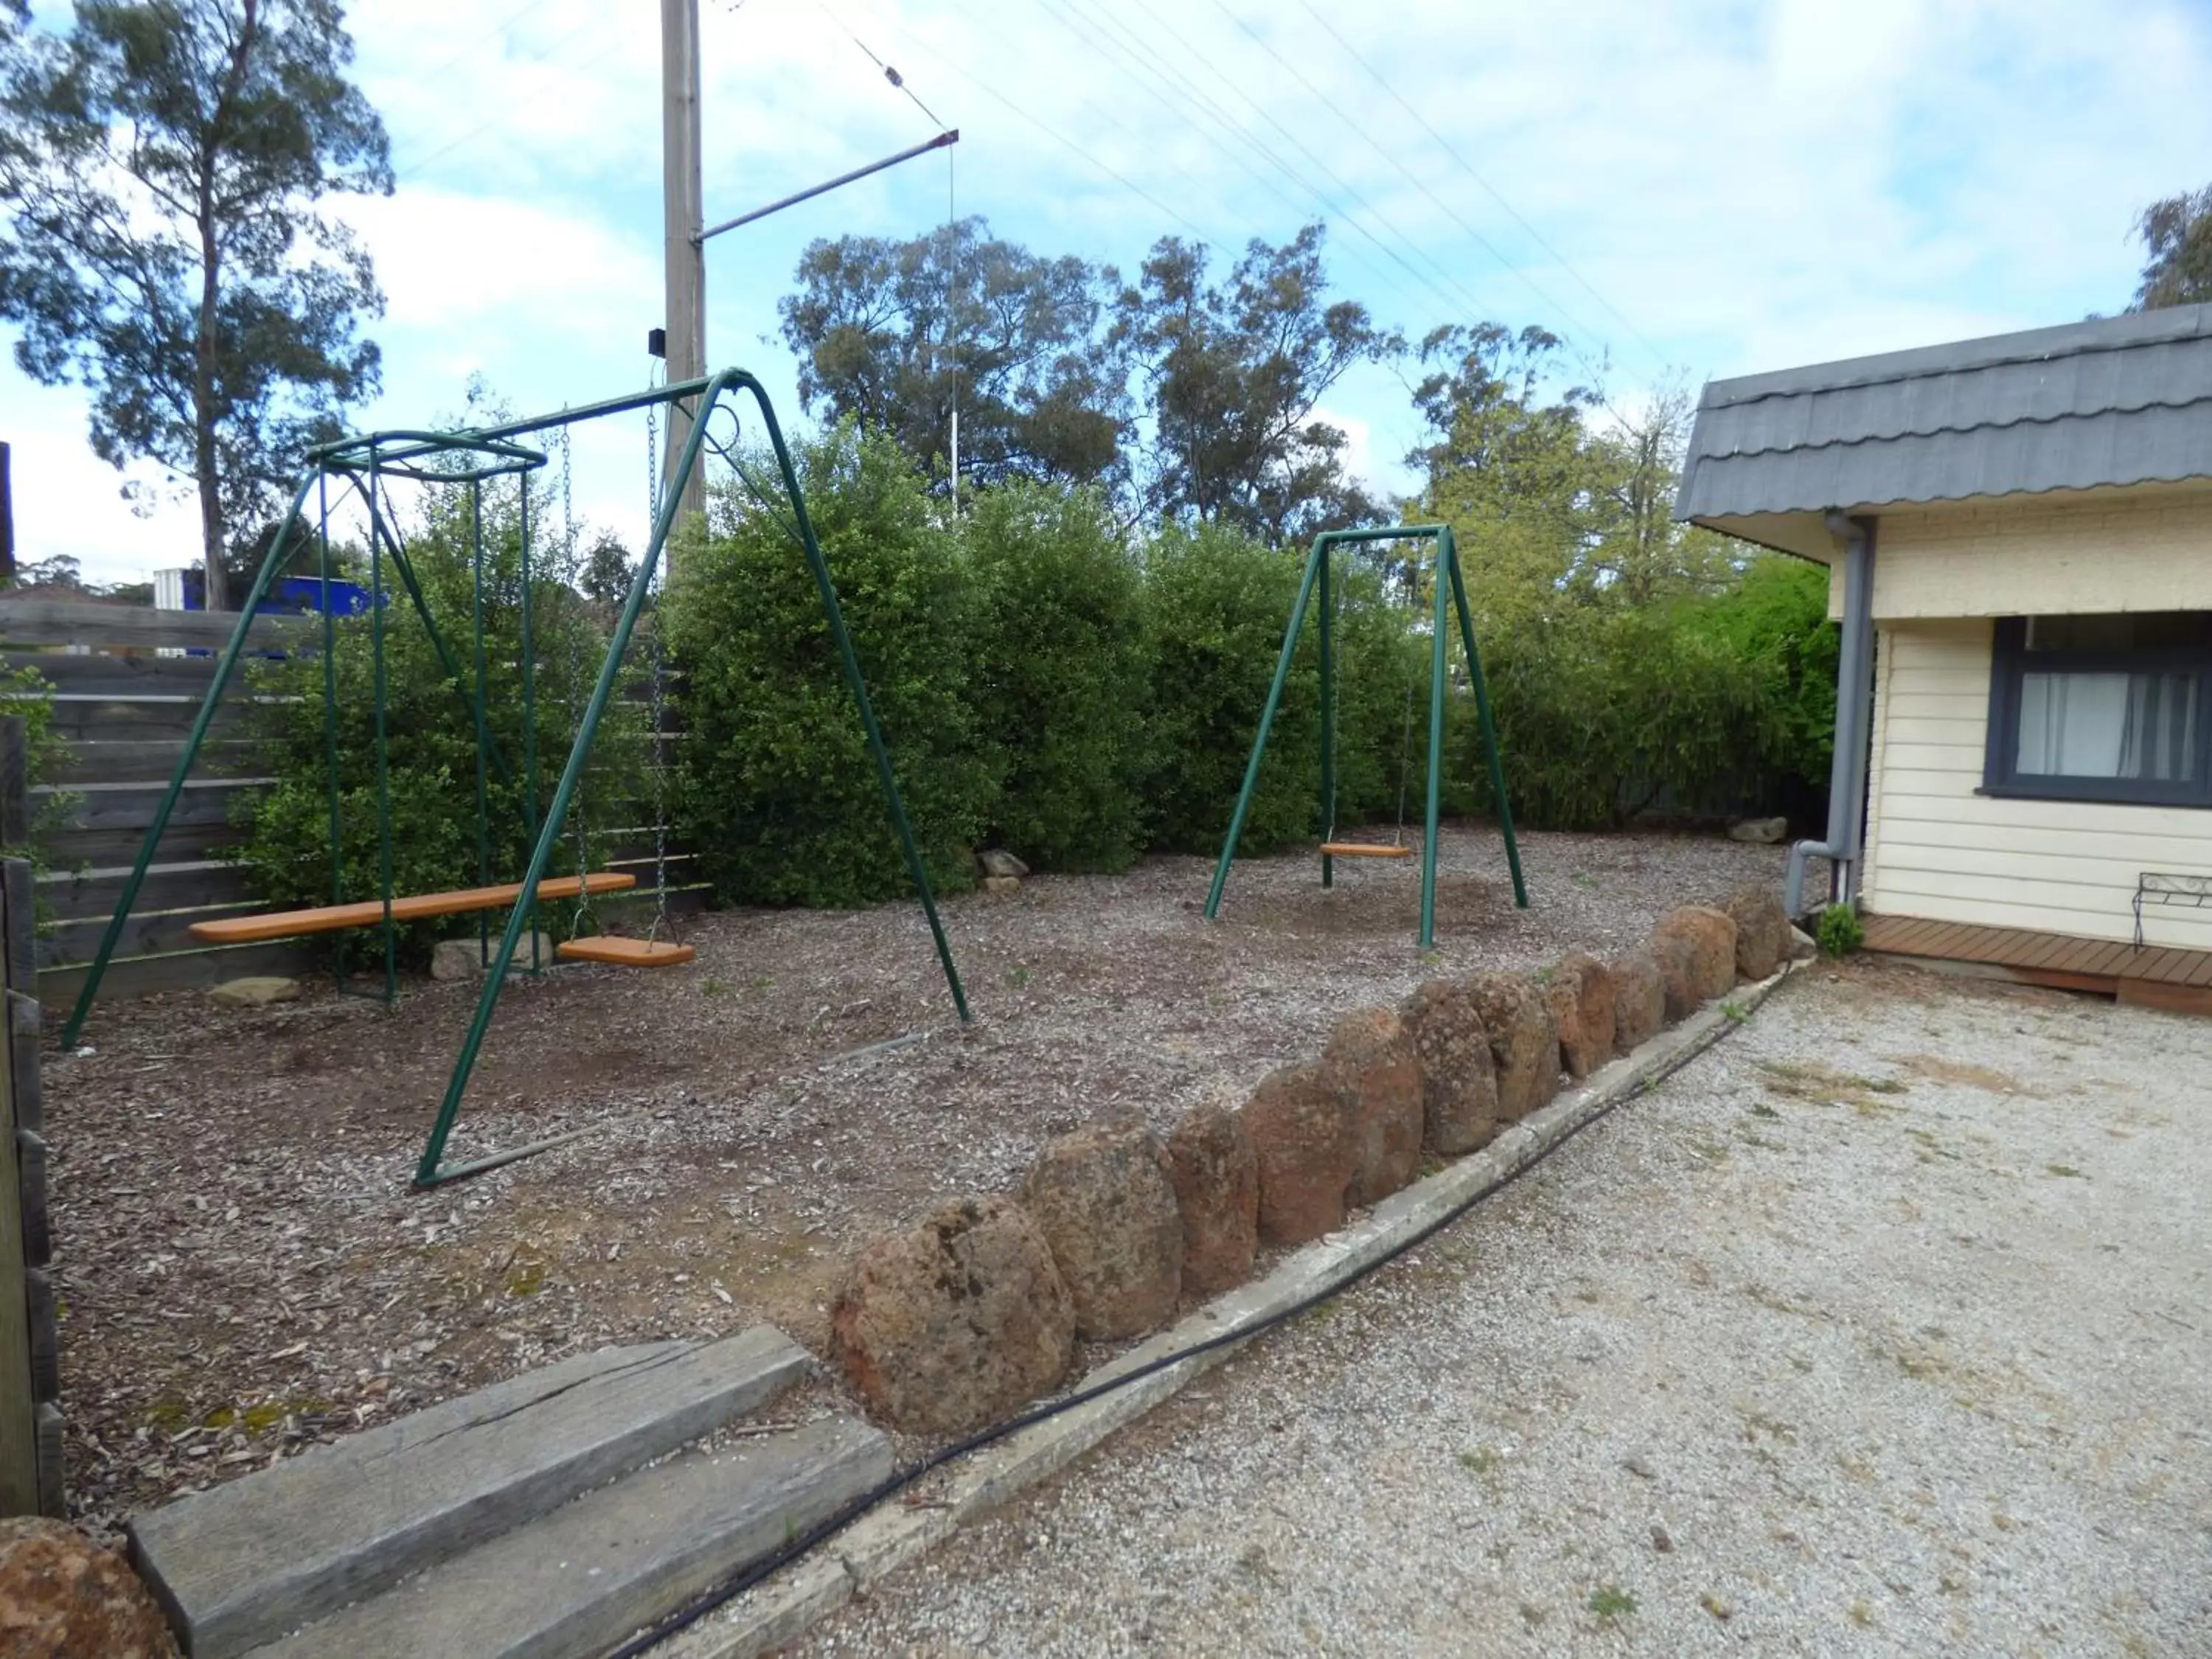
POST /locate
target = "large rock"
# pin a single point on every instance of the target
(62, 1596)
(1762, 929)
(255, 991)
(1695, 949)
(456, 959)
(997, 861)
(1765, 832)
(1370, 1058)
(1639, 1001)
(1217, 1188)
(955, 1323)
(1459, 1078)
(1302, 1145)
(1581, 996)
(1523, 1042)
(1104, 1201)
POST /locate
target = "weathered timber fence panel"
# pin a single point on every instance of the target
(125, 710)
(30, 1355)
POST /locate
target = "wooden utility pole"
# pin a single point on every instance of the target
(684, 218)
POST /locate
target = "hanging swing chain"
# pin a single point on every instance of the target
(571, 575)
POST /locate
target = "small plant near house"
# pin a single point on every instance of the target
(1839, 931)
(1735, 1012)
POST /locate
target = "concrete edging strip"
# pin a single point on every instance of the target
(781, 1609)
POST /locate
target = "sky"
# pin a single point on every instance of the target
(1681, 192)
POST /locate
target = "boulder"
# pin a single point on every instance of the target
(1581, 997)
(1102, 1199)
(1762, 929)
(1303, 1149)
(254, 991)
(457, 959)
(997, 861)
(1765, 832)
(1459, 1078)
(1217, 1188)
(1523, 1042)
(1371, 1059)
(1695, 949)
(1639, 1001)
(954, 1324)
(62, 1596)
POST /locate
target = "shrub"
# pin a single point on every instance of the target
(1216, 604)
(1058, 671)
(776, 790)
(1839, 931)
(430, 735)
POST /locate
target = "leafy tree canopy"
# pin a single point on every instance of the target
(162, 164)
(1232, 374)
(894, 332)
(2177, 236)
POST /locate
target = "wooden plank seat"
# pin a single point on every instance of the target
(415, 906)
(619, 952)
(1364, 849)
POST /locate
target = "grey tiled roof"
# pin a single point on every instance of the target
(2120, 400)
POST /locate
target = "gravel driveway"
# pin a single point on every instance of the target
(1882, 1328)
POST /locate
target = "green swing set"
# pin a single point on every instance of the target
(1451, 589)
(473, 458)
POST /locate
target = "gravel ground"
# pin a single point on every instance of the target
(1881, 1329)
(242, 1271)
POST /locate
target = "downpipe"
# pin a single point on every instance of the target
(1847, 778)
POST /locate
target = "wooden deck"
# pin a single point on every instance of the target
(2151, 977)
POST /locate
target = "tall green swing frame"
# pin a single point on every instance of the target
(1450, 587)
(362, 463)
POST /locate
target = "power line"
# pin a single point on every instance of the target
(1228, 121)
(544, 56)
(892, 75)
(1342, 183)
(1468, 168)
(1064, 141)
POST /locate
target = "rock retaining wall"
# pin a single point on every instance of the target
(1114, 1226)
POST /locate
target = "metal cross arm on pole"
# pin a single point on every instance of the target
(941, 142)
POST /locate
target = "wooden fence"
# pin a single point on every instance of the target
(124, 700)
(30, 1354)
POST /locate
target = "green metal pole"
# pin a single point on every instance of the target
(850, 659)
(483, 728)
(1449, 552)
(426, 1171)
(1328, 717)
(383, 758)
(1435, 765)
(1267, 720)
(209, 704)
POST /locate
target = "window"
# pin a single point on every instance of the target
(2116, 707)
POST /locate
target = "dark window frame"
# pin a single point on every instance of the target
(2010, 662)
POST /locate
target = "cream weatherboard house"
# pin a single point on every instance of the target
(2019, 534)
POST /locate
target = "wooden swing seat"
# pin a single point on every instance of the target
(415, 907)
(1364, 849)
(620, 952)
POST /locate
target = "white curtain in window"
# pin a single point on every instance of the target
(2108, 726)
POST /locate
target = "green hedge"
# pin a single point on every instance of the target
(1058, 675)
(776, 790)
